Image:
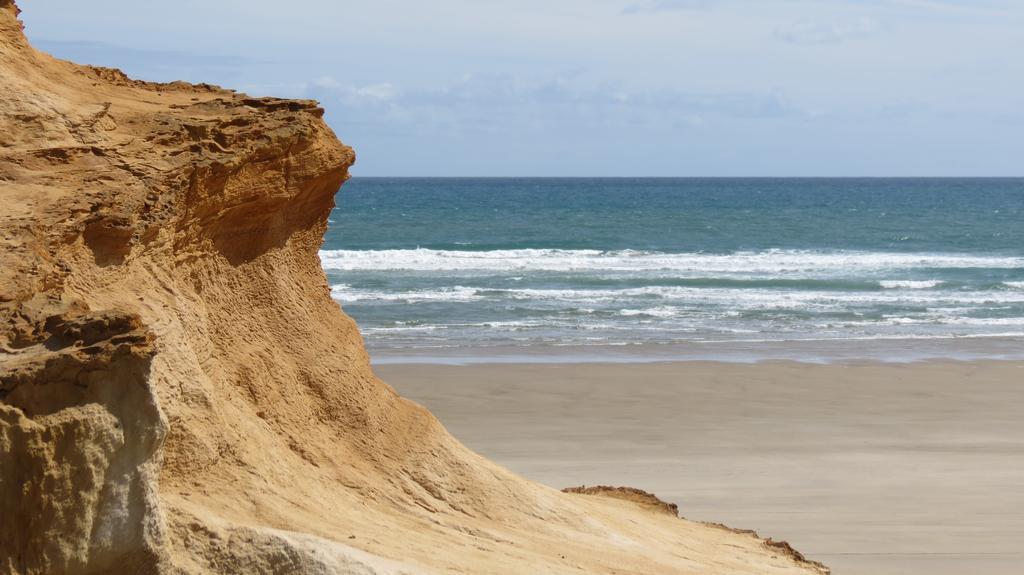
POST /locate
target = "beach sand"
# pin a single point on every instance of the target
(874, 469)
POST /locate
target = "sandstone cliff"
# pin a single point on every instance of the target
(179, 393)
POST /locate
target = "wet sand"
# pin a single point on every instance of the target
(874, 469)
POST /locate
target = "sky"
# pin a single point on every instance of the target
(600, 87)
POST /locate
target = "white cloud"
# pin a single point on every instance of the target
(326, 82)
(377, 93)
(372, 94)
(810, 32)
(475, 101)
(666, 5)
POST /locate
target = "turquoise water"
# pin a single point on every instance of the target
(511, 263)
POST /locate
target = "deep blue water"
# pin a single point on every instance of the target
(438, 262)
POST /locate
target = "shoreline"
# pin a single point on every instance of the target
(869, 467)
(808, 351)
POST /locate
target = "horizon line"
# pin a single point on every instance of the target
(506, 177)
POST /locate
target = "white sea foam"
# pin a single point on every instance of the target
(776, 263)
(984, 321)
(568, 297)
(400, 328)
(345, 293)
(729, 297)
(660, 311)
(910, 284)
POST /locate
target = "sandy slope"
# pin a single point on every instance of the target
(178, 392)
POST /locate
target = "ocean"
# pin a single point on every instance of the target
(692, 268)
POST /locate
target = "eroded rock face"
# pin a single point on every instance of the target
(79, 436)
(178, 391)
